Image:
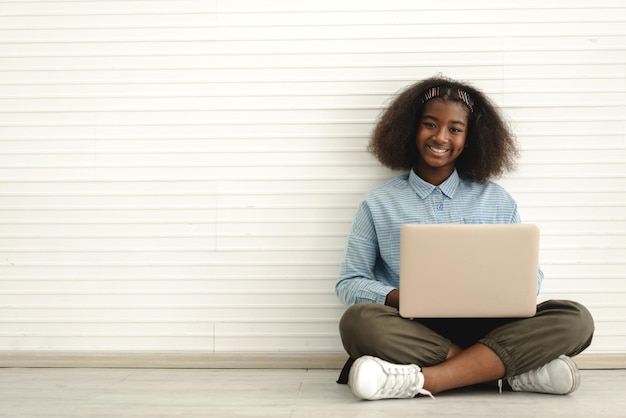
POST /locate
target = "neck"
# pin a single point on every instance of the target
(434, 177)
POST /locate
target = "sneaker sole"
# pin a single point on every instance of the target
(575, 373)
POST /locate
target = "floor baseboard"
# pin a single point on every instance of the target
(172, 360)
(194, 360)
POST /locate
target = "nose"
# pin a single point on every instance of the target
(440, 135)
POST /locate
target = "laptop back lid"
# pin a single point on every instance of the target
(468, 270)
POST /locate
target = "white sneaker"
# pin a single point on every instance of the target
(559, 377)
(372, 378)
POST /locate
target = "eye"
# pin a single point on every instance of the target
(455, 130)
(429, 124)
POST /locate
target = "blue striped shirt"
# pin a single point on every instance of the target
(371, 264)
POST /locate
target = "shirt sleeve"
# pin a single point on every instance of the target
(357, 282)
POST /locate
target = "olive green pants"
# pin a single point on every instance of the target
(559, 327)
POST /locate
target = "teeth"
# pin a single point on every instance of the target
(438, 150)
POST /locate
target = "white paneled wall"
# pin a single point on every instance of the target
(182, 175)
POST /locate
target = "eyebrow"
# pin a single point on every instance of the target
(456, 122)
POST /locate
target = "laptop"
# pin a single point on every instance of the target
(468, 270)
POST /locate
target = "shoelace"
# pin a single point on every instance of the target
(403, 382)
(528, 380)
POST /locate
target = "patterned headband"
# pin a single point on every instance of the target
(433, 92)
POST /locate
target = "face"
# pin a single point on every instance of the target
(440, 139)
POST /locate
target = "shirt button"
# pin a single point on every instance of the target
(440, 207)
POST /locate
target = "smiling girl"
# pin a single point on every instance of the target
(451, 141)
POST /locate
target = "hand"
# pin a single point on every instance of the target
(393, 299)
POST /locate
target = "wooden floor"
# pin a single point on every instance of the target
(274, 393)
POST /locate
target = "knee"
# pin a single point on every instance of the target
(576, 318)
(584, 320)
(361, 328)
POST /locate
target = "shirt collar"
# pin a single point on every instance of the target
(424, 189)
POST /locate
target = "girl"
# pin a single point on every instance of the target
(451, 140)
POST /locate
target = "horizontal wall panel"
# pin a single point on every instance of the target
(183, 175)
(173, 284)
(113, 341)
(236, 18)
(145, 299)
(181, 270)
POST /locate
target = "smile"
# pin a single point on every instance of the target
(438, 150)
